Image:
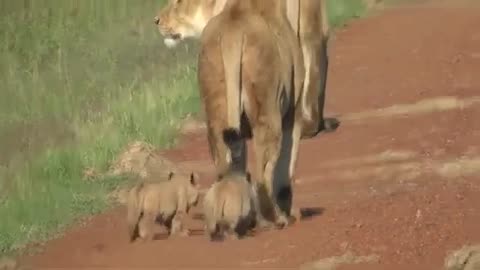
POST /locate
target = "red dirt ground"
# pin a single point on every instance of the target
(404, 186)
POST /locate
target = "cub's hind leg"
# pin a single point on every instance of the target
(146, 225)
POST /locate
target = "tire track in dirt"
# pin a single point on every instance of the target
(398, 183)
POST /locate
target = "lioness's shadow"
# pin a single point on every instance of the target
(310, 212)
(305, 213)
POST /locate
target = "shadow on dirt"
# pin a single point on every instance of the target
(305, 213)
(160, 236)
(310, 212)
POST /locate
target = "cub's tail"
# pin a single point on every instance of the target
(134, 210)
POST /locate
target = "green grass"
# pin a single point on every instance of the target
(79, 80)
(341, 11)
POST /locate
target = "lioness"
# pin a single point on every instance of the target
(230, 205)
(167, 201)
(250, 73)
(182, 19)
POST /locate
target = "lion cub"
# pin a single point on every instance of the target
(167, 202)
(230, 205)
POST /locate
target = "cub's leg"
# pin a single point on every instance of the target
(146, 225)
(179, 217)
(232, 230)
(211, 223)
(177, 226)
(211, 229)
(167, 222)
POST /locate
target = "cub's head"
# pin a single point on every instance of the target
(181, 19)
(192, 186)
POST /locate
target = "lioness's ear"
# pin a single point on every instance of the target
(170, 176)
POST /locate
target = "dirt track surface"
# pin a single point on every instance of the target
(399, 182)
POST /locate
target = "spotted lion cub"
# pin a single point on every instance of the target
(230, 206)
(167, 202)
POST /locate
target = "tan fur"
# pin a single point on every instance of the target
(168, 201)
(247, 57)
(230, 206)
(183, 19)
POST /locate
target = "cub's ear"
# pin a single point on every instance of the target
(249, 177)
(193, 178)
(170, 175)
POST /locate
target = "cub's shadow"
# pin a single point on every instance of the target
(161, 236)
(165, 236)
(305, 213)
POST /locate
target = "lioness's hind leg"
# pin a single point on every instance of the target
(296, 136)
(267, 139)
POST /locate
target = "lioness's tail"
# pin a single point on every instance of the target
(231, 47)
(134, 210)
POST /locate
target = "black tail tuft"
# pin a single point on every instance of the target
(231, 136)
(235, 142)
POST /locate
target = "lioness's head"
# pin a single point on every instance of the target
(181, 19)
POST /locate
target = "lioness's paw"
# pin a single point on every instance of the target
(330, 124)
(296, 213)
(264, 224)
(281, 222)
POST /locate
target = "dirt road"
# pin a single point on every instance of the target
(399, 179)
